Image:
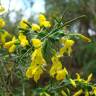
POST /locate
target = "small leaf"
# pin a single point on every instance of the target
(47, 51)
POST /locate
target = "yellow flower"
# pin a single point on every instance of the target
(35, 70)
(37, 57)
(68, 43)
(8, 44)
(23, 40)
(84, 38)
(78, 93)
(2, 10)
(36, 43)
(56, 66)
(4, 35)
(12, 48)
(2, 23)
(46, 24)
(37, 74)
(35, 27)
(29, 72)
(22, 24)
(42, 18)
(11, 45)
(73, 82)
(43, 21)
(61, 74)
(67, 47)
(63, 93)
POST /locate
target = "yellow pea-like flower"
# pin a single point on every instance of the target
(43, 21)
(61, 74)
(69, 43)
(46, 24)
(29, 72)
(37, 74)
(12, 48)
(35, 70)
(22, 24)
(37, 57)
(36, 43)
(56, 66)
(35, 27)
(11, 45)
(4, 35)
(2, 10)
(42, 18)
(2, 23)
(67, 47)
(8, 44)
(23, 40)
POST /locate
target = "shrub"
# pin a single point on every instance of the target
(31, 62)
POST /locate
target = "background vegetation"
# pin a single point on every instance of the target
(83, 59)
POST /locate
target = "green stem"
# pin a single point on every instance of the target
(66, 23)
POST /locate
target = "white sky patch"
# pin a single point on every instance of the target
(27, 13)
(91, 32)
(17, 5)
(39, 6)
(12, 16)
(14, 4)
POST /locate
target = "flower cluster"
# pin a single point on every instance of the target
(4, 35)
(35, 69)
(45, 58)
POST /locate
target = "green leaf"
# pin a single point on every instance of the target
(57, 35)
(48, 50)
(42, 34)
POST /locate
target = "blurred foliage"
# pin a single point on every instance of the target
(70, 9)
(30, 61)
(73, 8)
(84, 54)
(84, 58)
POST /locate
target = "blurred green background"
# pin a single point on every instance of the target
(83, 59)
